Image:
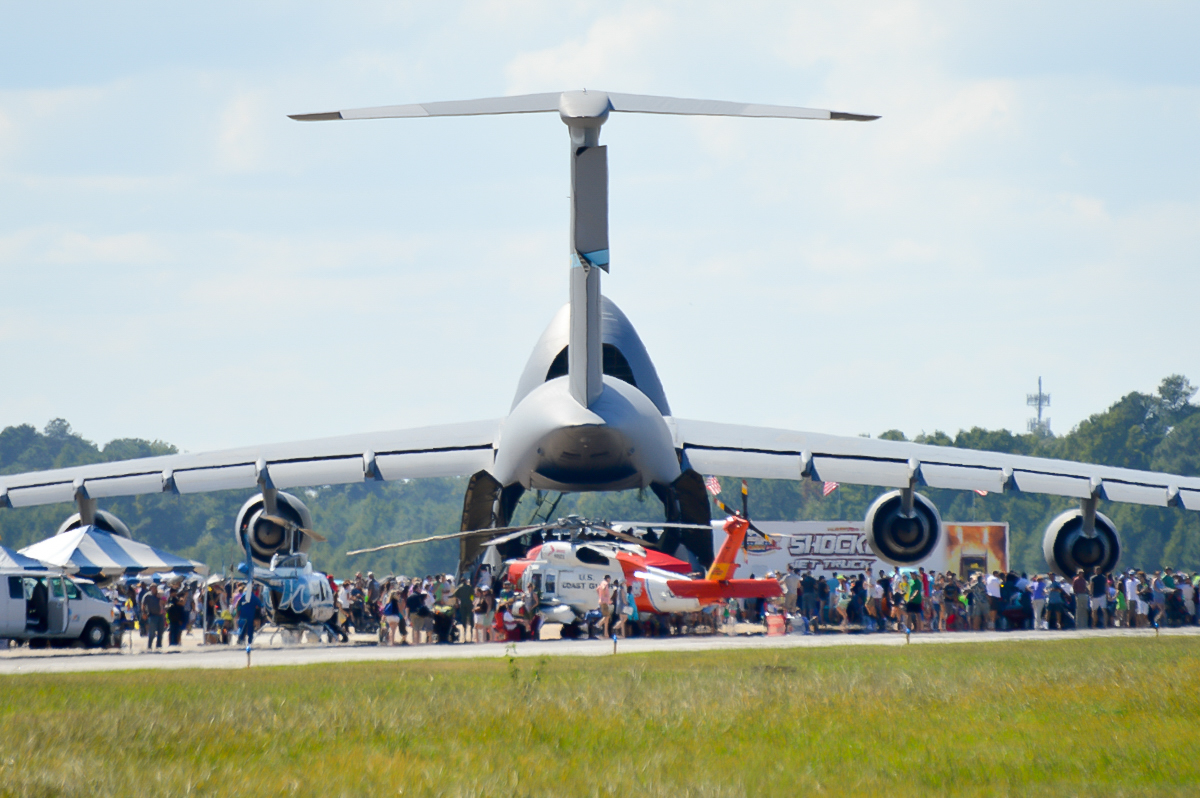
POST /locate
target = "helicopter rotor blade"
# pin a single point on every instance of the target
(516, 534)
(292, 526)
(620, 535)
(451, 536)
(660, 525)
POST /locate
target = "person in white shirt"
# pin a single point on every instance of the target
(1189, 592)
(343, 602)
(1131, 600)
(993, 592)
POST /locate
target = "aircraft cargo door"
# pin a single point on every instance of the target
(56, 618)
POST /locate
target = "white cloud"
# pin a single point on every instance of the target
(8, 136)
(614, 51)
(123, 248)
(241, 142)
(49, 246)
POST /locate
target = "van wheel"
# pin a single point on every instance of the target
(95, 634)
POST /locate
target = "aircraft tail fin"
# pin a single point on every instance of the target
(584, 113)
(724, 564)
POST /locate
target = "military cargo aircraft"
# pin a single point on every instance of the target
(590, 414)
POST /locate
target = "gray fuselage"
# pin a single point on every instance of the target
(550, 441)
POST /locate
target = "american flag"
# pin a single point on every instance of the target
(830, 487)
(981, 492)
(713, 486)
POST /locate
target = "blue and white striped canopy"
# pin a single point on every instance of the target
(14, 561)
(93, 552)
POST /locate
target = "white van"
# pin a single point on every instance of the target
(38, 606)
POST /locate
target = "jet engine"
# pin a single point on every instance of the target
(1068, 549)
(104, 520)
(900, 534)
(268, 537)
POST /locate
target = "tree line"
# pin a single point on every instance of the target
(1158, 431)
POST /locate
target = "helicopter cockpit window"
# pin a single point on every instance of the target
(590, 556)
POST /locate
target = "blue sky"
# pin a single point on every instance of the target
(178, 260)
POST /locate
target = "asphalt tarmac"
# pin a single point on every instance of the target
(275, 654)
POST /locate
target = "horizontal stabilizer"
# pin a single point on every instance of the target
(647, 104)
(566, 104)
(705, 591)
(519, 104)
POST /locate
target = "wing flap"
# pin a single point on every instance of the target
(413, 465)
(42, 494)
(751, 465)
(124, 486)
(202, 480)
(963, 477)
(1134, 494)
(860, 471)
(336, 471)
(1190, 499)
(1054, 484)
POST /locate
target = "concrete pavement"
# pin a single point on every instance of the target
(18, 661)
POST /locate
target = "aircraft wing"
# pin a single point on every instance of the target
(760, 452)
(440, 451)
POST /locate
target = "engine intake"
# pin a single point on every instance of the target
(104, 520)
(901, 540)
(1068, 550)
(267, 538)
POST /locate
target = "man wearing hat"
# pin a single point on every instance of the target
(153, 609)
(464, 598)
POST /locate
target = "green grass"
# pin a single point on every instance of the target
(1087, 717)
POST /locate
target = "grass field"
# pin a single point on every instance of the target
(1087, 717)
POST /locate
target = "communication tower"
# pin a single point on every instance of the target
(1039, 425)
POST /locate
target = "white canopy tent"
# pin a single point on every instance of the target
(11, 560)
(94, 553)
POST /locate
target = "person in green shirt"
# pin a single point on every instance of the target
(913, 595)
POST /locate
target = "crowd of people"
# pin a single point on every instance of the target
(920, 601)
(156, 609)
(440, 609)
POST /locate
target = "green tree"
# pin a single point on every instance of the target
(1159, 431)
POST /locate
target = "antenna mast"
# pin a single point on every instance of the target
(1039, 426)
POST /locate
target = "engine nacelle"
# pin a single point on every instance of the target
(901, 540)
(1067, 549)
(267, 538)
(104, 520)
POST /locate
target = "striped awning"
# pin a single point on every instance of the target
(15, 561)
(93, 552)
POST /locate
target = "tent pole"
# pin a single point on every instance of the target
(204, 613)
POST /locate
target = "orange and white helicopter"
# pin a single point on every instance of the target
(570, 564)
